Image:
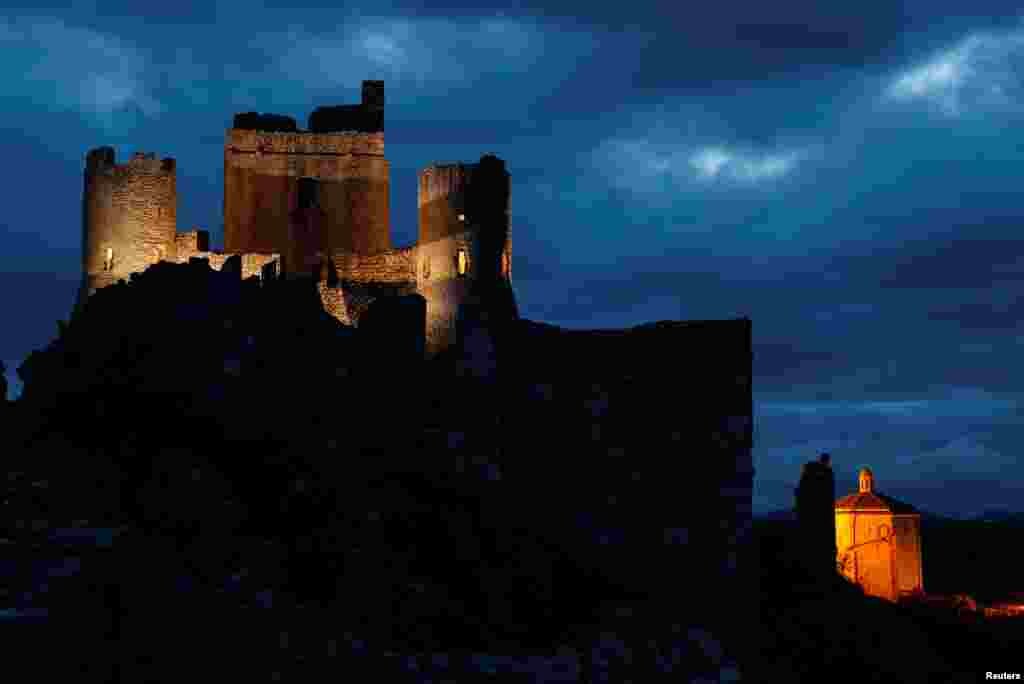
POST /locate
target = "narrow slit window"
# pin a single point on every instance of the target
(463, 262)
(308, 191)
(108, 259)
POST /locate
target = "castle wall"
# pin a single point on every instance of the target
(256, 210)
(260, 188)
(397, 266)
(334, 303)
(129, 216)
(461, 207)
(455, 198)
(195, 244)
(190, 243)
(252, 264)
(658, 422)
(437, 279)
(441, 199)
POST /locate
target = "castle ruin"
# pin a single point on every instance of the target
(635, 417)
(314, 205)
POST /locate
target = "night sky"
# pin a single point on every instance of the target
(846, 175)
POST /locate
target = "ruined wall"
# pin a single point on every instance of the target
(128, 216)
(190, 243)
(260, 188)
(252, 264)
(333, 300)
(195, 244)
(395, 266)
(365, 117)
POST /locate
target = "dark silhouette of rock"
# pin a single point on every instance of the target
(393, 329)
(259, 453)
(815, 501)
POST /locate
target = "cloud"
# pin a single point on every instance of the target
(917, 446)
(982, 72)
(714, 162)
(959, 402)
(640, 164)
(75, 67)
(425, 51)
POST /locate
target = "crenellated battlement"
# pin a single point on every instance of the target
(259, 143)
(102, 160)
(443, 181)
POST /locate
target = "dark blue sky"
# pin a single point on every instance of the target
(846, 177)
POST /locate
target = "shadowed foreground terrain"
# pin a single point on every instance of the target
(207, 477)
(816, 633)
(210, 476)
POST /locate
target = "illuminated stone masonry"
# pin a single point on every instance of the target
(878, 540)
(313, 204)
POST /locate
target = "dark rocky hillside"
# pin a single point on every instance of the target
(205, 470)
(815, 633)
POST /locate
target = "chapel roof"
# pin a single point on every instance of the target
(873, 501)
(867, 499)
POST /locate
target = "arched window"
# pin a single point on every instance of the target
(108, 259)
(463, 262)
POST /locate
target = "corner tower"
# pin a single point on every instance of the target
(342, 158)
(129, 217)
(464, 255)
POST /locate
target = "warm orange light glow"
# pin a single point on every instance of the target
(463, 262)
(878, 541)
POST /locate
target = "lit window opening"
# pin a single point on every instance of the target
(108, 259)
(462, 217)
(463, 262)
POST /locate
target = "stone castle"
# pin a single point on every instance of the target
(664, 503)
(313, 205)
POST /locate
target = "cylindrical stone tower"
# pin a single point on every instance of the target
(128, 217)
(464, 251)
